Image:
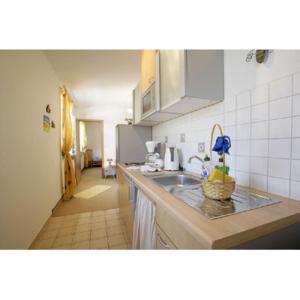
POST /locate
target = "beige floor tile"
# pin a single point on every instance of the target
(85, 215)
(98, 219)
(43, 244)
(120, 247)
(63, 247)
(116, 240)
(70, 223)
(72, 217)
(98, 225)
(112, 217)
(112, 223)
(64, 231)
(98, 233)
(111, 211)
(83, 227)
(81, 245)
(50, 234)
(65, 240)
(52, 226)
(84, 221)
(98, 213)
(115, 230)
(82, 236)
(99, 243)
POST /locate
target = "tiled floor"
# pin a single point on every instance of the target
(102, 229)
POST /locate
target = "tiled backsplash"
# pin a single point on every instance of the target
(264, 125)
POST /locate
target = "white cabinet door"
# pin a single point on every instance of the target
(137, 104)
(172, 76)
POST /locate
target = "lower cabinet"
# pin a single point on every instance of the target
(162, 240)
(172, 234)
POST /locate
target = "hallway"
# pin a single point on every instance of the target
(93, 193)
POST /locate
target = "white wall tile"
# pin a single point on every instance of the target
(230, 161)
(260, 112)
(296, 105)
(260, 130)
(243, 163)
(279, 167)
(230, 103)
(243, 178)
(297, 83)
(296, 148)
(230, 118)
(260, 94)
(259, 165)
(295, 190)
(243, 115)
(243, 100)
(278, 186)
(280, 148)
(295, 172)
(243, 132)
(231, 132)
(259, 148)
(296, 126)
(281, 88)
(259, 182)
(242, 148)
(280, 128)
(281, 108)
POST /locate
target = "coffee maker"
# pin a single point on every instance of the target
(152, 155)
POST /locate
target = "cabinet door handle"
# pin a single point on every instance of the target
(162, 242)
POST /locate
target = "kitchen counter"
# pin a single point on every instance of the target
(227, 232)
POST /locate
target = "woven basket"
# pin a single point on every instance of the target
(218, 189)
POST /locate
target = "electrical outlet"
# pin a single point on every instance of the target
(201, 147)
(166, 139)
(182, 138)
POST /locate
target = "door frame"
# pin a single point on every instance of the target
(78, 158)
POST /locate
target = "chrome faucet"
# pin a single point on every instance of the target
(196, 157)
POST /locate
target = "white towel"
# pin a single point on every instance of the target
(144, 227)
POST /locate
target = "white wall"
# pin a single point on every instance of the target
(30, 174)
(261, 113)
(93, 133)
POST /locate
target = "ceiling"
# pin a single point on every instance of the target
(100, 81)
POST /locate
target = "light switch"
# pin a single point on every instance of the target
(201, 147)
(182, 138)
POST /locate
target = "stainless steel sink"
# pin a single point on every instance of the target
(188, 189)
(178, 180)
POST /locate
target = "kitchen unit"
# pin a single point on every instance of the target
(180, 82)
(178, 226)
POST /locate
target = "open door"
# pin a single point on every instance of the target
(91, 139)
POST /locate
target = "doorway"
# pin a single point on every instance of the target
(89, 146)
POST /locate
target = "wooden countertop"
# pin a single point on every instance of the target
(226, 232)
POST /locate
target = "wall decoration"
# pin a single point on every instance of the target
(46, 123)
(260, 55)
(52, 124)
(48, 109)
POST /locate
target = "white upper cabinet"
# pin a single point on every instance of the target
(190, 79)
(182, 81)
(136, 99)
(137, 108)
